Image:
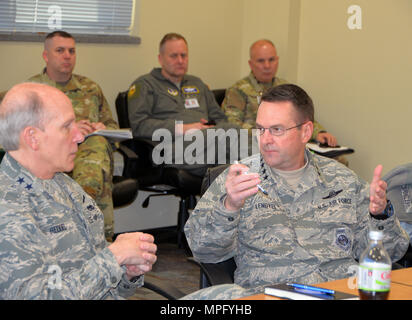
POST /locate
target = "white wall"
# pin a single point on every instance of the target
(210, 27)
(359, 80)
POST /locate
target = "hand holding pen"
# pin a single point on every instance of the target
(240, 186)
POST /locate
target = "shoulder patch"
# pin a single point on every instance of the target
(134, 90)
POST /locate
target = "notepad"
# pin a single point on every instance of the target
(329, 151)
(287, 292)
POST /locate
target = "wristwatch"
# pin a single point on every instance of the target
(388, 212)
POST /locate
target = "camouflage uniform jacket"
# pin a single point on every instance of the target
(155, 103)
(51, 230)
(86, 96)
(243, 98)
(309, 235)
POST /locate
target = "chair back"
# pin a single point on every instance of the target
(210, 176)
(219, 95)
(215, 273)
(122, 110)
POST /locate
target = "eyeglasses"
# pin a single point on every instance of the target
(277, 130)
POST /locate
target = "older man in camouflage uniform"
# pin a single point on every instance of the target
(242, 99)
(52, 244)
(312, 220)
(93, 168)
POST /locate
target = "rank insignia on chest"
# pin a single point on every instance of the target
(173, 92)
(190, 90)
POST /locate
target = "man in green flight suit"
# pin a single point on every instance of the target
(93, 168)
(169, 99)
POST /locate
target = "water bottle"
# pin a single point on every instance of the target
(374, 276)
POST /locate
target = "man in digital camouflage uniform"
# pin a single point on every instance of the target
(167, 94)
(52, 244)
(312, 224)
(93, 168)
(242, 99)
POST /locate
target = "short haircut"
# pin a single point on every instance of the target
(168, 37)
(17, 114)
(296, 95)
(57, 33)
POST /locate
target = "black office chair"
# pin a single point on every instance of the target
(214, 273)
(159, 179)
(125, 188)
(406, 260)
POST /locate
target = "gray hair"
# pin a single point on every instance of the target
(16, 114)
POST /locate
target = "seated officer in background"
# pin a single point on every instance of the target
(242, 99)
(310, 223)
(93, 165)
(52, 244)
(167, 98)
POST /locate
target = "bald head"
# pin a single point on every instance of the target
(263, 60)
(259, 44)
(24, 105)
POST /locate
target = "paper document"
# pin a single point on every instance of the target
(113, 134)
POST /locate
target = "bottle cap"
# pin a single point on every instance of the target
(375, 235)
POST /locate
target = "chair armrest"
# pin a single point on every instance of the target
(130, 161)
(216, 273)
(143, 148)
(162, 288)
(127, 152)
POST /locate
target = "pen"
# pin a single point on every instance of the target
(310, 288)
(263, 190)
(259, 186)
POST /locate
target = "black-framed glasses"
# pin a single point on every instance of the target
(277, 130)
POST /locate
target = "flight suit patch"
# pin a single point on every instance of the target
(190, 90)
(172, 92)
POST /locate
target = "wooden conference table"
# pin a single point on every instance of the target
(401, 287)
